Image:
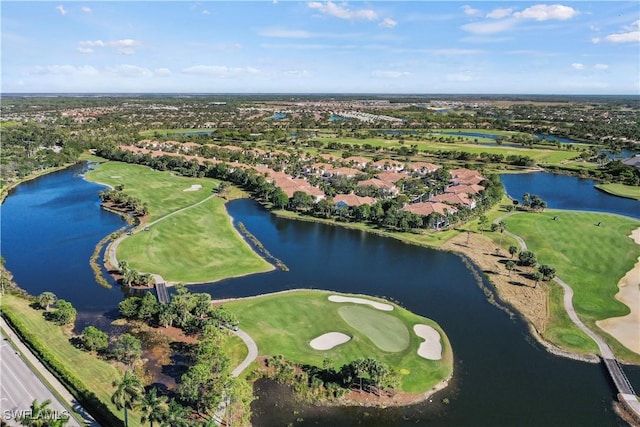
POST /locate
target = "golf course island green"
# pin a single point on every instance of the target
(327, 330)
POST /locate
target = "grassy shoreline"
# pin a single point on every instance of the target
(620, 190)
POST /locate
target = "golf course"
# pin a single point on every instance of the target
(196, 243)
(591, 252)
(288, 323)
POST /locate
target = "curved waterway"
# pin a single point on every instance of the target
(502, 376)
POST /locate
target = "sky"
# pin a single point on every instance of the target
(406, 47)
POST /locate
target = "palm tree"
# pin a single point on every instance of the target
(127, 394)
(46, 299)
(37, 416)
(176, 415)
(513, 250)
(510, 266)
(153, 407)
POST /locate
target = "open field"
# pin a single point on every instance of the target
(590, 258)
(628, 191)
(540, 155)
(96, 375)
(195, 245)
(286, 323)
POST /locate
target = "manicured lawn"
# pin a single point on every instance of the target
(386, 331)
(96, 375)
(196, 245)
(590, 258)
(628, 191)
(163, 191)
(286, 323)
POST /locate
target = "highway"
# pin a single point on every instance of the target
(19, 386)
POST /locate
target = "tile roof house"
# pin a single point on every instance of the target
(455, 199)
(352, 200)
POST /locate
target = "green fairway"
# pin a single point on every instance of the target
(196, 245)
(628, 191)
(590, 258)
(386, 331)
(286, 323)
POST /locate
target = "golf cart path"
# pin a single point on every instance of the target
(625, 391)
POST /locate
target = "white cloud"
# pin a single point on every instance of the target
(296, 73)
(489, 27)
(91, 43)
(206, 12)
(601, 67)
(64, 70)
(470, 11)
(162, 72)
(85, 50)
(86, 9)
(219, 71)
(282, 33)
(388, 23)
(595, 40)
(125, 46)
(389, 74)
(577, 66)
(631, 35)
(500, 13)
(61, 10)
(127, 70)
(545, 12)
(332, 9)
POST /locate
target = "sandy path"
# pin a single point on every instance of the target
(431, 347)
(626, 329)
(374, 304)
(329, 340)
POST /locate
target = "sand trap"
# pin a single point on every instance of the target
(374, 304)
(431, 348)
(626, 329)
(116, 176)
(194, 187)
(329, 340)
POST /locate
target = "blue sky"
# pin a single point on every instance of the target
(321, 47)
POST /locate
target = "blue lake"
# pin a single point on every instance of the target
(568, 192)
(502, 376)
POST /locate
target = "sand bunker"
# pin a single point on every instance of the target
(374, 304)
(329, 340)
(626, 329)
(116, 176)
(194, 187)
(431, 348)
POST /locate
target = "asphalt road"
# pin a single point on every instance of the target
(19, 386)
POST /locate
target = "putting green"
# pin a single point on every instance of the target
(387, 332)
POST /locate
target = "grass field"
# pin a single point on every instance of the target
(195, 245)
(628, 191)
(286, 323)
(590, 258)
(97, 375)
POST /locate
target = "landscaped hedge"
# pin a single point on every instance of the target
(85, 397)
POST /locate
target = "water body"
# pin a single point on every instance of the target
(568, 192)
(502, 376)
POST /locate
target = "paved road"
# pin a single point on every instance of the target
(19, 386)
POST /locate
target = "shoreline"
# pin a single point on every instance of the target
(607, 191)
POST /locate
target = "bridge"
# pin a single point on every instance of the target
(161, 289)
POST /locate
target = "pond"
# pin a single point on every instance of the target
(502, 376)
(568, 192)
